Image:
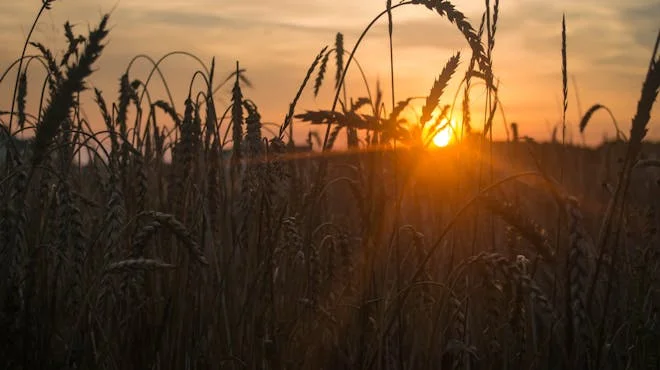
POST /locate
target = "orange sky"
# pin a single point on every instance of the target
(609, 45)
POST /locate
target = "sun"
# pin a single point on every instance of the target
(446, 135)
(443, 138)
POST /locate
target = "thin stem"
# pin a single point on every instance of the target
(350, 58)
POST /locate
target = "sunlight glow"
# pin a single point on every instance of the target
(445, 136)
(442, 138)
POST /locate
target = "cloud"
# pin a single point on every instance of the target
(609, 45)
(641, 19)
(436, 33)
(197, 20)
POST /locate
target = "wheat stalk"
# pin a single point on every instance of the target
(528, 229)
(137, 264)
(171, 223)
(62, 100)
(438, 88)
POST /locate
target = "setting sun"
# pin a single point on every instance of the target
(442, 138)
(446, 135)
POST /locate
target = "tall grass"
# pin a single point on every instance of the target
(251, 251)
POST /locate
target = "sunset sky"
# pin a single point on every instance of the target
(609, 46)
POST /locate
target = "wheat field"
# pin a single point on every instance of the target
(184, 235)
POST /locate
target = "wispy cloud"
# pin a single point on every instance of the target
(609, 44)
